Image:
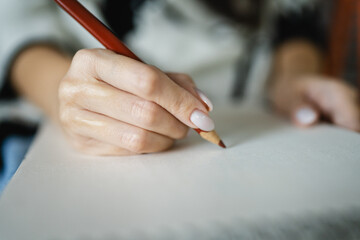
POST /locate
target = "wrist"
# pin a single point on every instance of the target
(36, 74)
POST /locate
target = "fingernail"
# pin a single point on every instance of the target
(202, 121)
(306, 116)
(205, 99)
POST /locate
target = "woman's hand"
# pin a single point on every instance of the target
(300, 91)
(306, 99)
(113, 105)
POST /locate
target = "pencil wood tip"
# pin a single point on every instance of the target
(211, 137)
(221, 144)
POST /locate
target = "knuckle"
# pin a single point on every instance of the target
(65, 115)
(85, 58)
(147, 112)
(70, 91)
(65, 90)
(148, 80)
(71, 119)
(84, 54)
(152, 116)
(81, 56)
(182, 132)
(138, 141)
(183, 104)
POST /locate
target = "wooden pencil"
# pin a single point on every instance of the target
(107, 38)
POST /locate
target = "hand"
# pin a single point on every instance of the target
(114, 105)
(307, 98)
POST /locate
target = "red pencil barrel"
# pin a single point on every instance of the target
(96, 28)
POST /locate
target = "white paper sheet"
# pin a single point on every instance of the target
(270, 171)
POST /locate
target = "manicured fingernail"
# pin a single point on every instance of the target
(306, 116)
(202, 121)
(205, 99)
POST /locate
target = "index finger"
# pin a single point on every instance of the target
(150, 83)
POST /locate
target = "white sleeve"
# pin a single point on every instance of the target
(24, 22)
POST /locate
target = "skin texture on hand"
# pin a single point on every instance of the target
(306, 99)
(114, 105)
(300, 92)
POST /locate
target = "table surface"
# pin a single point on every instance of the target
(271, 172)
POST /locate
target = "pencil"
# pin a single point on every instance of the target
(107, 38)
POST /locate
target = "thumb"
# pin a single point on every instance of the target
(305, 115)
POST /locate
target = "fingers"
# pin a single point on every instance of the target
(109, 101)
(149, 83)
(305, 115)
(186, 82)
(337, 101)
(113, 132)
(349, 118)
(290, 100)
(111, 104)
(306, 99)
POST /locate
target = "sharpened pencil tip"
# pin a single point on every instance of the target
(221, 144)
